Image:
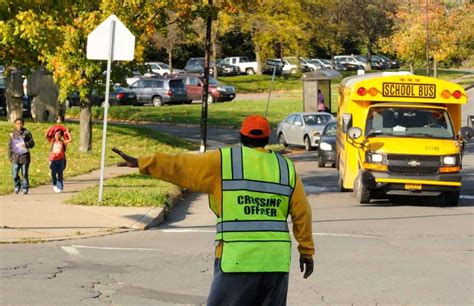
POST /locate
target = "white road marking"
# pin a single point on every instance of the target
(187, 230)
(191, 230)
(116, 248)
(70, 250)
(470, 197)
(345, 235)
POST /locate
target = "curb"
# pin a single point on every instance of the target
(155, 217)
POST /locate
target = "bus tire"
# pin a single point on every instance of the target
(340, 185)
(361, 192)
(451, 198)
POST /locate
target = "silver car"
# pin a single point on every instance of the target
(303, 129)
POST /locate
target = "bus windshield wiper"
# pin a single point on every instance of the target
(419, 135)
(374, 134)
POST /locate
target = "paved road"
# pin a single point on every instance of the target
(414, 252)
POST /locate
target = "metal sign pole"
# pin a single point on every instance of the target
(270, 92)
(106, 107)
(207, 54)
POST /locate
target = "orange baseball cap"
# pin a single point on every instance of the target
(255, 126)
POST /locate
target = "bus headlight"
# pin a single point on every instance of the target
(449, 160)
(374, 157)
(375, 162)
(325, 146)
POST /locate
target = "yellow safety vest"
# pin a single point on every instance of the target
(256, 192)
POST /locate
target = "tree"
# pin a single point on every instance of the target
(277, 28)
(169, 37)
(371, 20)
(329, 27)
(448, 32)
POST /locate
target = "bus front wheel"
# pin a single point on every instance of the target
(451, 198)
(361, 192)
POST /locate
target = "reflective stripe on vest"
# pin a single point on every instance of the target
(256, 191)
(252, 226)
(257, 186)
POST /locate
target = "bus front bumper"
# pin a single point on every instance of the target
(430, 185)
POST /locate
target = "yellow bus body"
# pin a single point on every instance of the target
(358, 95)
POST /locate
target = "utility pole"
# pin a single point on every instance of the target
(207, 54)
(427, 43)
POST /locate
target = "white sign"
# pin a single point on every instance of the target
(98, 41)
(277, 63)
(110, 41)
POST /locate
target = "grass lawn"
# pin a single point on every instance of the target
(138, 141)
(443, 73)
(261, 83)
(228, 114)
(133, 190)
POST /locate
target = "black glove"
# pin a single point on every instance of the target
(129, 161)
(306, 265)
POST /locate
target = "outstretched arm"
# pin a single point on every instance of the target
(129, 161)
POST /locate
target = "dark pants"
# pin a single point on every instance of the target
(269, 288)
(57, 169)
(16, 168)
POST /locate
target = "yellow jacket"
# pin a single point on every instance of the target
(202, 173)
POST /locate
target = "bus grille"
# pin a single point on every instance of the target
(413, 165)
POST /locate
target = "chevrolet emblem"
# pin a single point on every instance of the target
(414, 163)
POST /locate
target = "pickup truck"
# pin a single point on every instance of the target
(243, 63)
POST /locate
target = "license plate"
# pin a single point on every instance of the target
(413, 186)
(409, 90)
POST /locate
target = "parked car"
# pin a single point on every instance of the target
(376, 62)
(26, 103)
(218, 91)
(117, 96)
(327, 145)
(3, 102)
(346, 66)
(303, 129)
(160, 91)
(352, 60)
(244, 64)
(196, 65)
(393, 63)
(159, 68)
(224, 68)
(307, 64)
(136, 75)
(290, 66)
(327, 64)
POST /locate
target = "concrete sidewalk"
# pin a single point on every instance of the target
(42, 214)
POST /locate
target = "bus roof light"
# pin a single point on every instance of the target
(457, 94)
(361, 91)
(446, 94)
(373, 91)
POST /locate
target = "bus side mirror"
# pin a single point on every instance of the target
(466, 133)
(346, 122)
(354, 132)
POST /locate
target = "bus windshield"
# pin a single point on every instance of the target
(409, 122)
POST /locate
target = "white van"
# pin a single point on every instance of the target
(353, 59)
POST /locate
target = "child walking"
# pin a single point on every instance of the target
(19, 145)
(59, 137)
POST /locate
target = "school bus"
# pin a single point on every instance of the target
(400, 134)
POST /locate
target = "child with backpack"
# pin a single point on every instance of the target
(59, 137)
